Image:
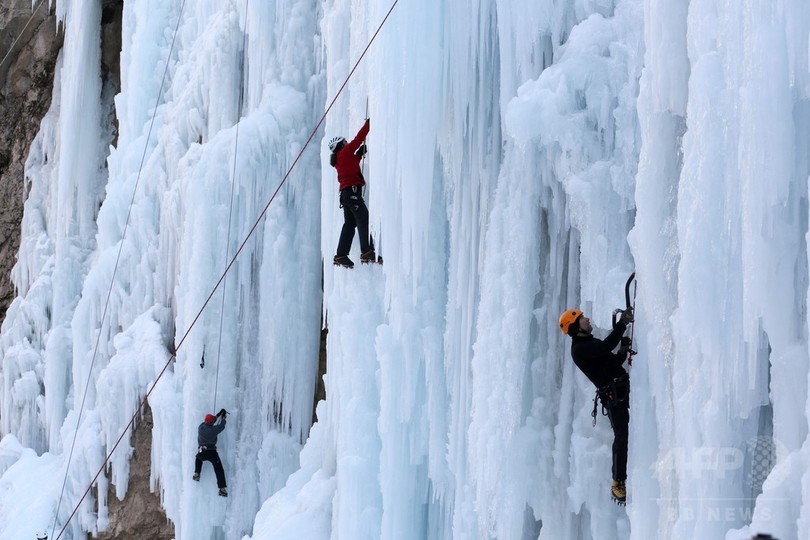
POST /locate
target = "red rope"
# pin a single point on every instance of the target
(225, 272)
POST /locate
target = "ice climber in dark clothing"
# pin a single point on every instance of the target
(345, 159)
(596, 359)
(207, 448)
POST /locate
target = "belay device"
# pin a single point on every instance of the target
(628, 305)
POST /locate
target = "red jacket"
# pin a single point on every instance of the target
(348, 164)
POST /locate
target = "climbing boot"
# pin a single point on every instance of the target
(368, 257)
(196, 477)
(343, 260)
(223, 492)
(619, 492)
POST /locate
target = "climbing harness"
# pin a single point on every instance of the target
(227, 268)
(610, 395)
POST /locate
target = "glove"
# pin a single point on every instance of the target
(627, 316)
(361, 151)
(222, 412)
(626, 345)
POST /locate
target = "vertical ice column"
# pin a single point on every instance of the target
(469, 144)
(735, 216)
(773, 176)
(662, 102)
(407, 202)
(352, 298)
(77, 194)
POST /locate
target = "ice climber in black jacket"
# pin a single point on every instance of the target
(596, 359)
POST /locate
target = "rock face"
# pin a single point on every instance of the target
(29, 43)
(140, 514)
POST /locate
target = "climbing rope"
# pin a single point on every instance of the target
(13, 43)
(112, 281)
(227, 268)
(230, 209)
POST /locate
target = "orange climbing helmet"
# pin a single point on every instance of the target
(569, 317)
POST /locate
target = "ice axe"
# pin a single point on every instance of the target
(628, 305)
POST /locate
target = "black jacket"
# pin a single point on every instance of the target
(207, 433)
(595, 357)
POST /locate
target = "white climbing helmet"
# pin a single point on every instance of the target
(333, 142)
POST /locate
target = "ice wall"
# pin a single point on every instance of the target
(553, 150)
(471, 216)
(195, 164)
(524, 157)
(726, 184)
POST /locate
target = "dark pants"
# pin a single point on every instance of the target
(210, 454)
(355, 216)
(619, 415)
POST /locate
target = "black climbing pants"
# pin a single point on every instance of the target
(355, 216)
(210, 454)
(615, 399)
(619, 416)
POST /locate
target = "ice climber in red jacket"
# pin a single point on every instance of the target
(346, 157)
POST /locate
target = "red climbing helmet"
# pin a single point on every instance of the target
(209, 419)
